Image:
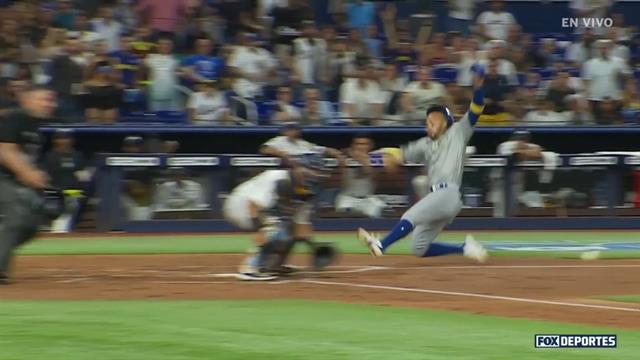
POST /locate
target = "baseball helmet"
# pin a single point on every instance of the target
(444, 111)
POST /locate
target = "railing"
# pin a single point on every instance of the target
(217, 166)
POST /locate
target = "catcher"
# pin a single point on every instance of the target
(277, 206)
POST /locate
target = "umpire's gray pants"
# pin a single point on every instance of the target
(431, 214)
(21, 211)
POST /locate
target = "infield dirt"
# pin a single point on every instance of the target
(530, 287)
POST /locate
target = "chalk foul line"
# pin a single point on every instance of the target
(475, 295)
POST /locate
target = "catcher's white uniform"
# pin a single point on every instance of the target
(261, 190)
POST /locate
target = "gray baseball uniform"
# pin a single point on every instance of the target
(444, 161)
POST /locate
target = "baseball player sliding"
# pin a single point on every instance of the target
(442, 152)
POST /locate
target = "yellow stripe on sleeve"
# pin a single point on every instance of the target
(476, 109)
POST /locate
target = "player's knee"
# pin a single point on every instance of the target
(419, 248)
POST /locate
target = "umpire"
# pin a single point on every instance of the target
(22, 183)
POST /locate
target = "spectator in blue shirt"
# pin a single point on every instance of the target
(202, 66)
(361, 14)
(373, 43)
(127, 62)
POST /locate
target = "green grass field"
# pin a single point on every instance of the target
(283, 329)
(175, 330)
(232, 243)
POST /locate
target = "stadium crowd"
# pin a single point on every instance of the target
(242, 62)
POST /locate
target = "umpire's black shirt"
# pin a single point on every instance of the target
(20, 128)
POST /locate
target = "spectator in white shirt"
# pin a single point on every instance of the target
(108, 28)
(252, 65)
(602, 76)
(392, 84)
(310, 52)
(618, 50)
(497, 51)
(179, 193)
(285, 112)
(208, 106)
(461, 14)
(494, 24)
(361, 99)
(544, 115)
(163, 90)
(580, 51)
(419, 95)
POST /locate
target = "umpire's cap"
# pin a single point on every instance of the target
(444, 111)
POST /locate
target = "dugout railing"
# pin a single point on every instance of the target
(222, 171)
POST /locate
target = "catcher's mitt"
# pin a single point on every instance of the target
(324, 254)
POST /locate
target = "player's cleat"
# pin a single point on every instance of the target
(249, 270)
(256, 276)
(251, 273)
(285, 270)
(371, 241)
(474, 250)
(4, 278)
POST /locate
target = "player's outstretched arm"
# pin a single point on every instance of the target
(392, 158)
(477, 102)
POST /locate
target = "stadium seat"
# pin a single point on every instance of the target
(266, 109)
(445, 73)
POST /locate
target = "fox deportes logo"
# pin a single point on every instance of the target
(575, 341)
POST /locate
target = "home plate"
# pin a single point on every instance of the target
(345, 269)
